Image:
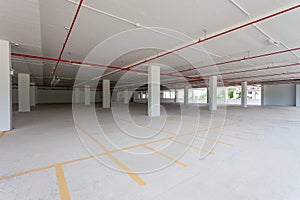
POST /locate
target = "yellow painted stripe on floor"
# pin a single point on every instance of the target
(48, 167)
(133, 175)
(101, 154)
(3, 133)
(242, 132)
(149, 127)
(233, 136)
(219, 141)
(194, 147)
(62, 184)
(166, 156)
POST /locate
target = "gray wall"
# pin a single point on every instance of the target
(47, 95)
(279, 95)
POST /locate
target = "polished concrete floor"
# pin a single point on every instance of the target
(86, 152)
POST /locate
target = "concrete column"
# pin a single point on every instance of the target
(207, 96)
(126, 96)
(186, 95)
(106, 94)
(87, 95)
(213, 93)
(226, 94)
(24, 92)
(77, 95)
(32, 95)
(262, 95)
(298, 95)
(154, 91)
(135, 96)
(5, 87)
(244, 94)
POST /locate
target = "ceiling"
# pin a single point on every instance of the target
(119, 31)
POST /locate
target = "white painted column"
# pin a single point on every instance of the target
(207, 96)
(24, 92)
(135, 96)
(5, 87)
(213, 93)
(298, 95)
(154, 91)
(244, 95)
(262, 95)
(126, 96)
(226, 94)
(76, 95)
(106, 94)
(186, 95)
(32, 95)
(87, 95)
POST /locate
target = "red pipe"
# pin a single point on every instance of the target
(209, 38)
(90, 64)
(243, 59)
(66, 40)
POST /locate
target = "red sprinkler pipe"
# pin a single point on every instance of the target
(243, 59)
(209, 38)
(66, 40)
(259, 76)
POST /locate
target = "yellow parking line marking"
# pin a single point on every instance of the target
(233, 136)
(166, 156)
(62, 184)
(243, 132)
(219, 141)
(194, 147)
(142, 125)
(133, 175)
(101, 154)
(3, 133)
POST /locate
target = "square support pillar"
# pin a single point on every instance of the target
(24, 92)
(212, 93)
(76, 95)
(32, 95)
(87, 95)
(5, 87)
(154, 91)
(298, 95)
(126, 96)
(244, 95)
(186, 95)
(106, 94)
(262, 95)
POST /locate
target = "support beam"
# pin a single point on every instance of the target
(32, 95)
(5, 87)
(87, 95)
(24, 92)
(154, 91)
(213, 93)
(186, 95)
(244, 94)
(106, 94)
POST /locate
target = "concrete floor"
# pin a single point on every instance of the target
(50, 156)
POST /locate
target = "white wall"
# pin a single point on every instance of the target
(279, 95)
(298, 95)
